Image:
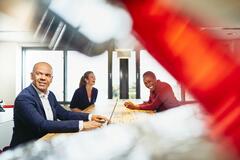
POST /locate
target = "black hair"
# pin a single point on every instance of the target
(149, 73)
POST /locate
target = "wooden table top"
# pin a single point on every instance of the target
(121, 115)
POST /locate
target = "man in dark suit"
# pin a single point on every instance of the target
(37, 111)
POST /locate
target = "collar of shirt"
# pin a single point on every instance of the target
(46, 105)
(41, 94)
(157, 88)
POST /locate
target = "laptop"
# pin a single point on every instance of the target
(109, 121)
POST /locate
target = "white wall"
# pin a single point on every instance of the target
(6, 125)
(16, 22)
(10, 68)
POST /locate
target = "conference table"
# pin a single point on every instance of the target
(121, 114)
(179, 133)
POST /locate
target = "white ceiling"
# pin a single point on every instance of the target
(220, 17)
(16, 20)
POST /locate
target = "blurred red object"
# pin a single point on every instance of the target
(191, 56)
(8, 106)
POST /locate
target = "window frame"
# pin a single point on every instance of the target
(65, 79)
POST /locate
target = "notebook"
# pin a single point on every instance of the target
(109, 121)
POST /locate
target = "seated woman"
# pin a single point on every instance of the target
(86, 94)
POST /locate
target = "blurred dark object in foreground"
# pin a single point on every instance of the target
(53, 31)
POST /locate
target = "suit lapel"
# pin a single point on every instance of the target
(40, 105)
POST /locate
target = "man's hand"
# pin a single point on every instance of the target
(131, 105)
(99, 118)
(91, 125)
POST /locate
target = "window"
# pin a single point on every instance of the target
(78, 64)
(55, 58)
(148, 63)
(132, 75)
(116, 74)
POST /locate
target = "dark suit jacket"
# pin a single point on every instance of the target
(80, 99)
(30, 121)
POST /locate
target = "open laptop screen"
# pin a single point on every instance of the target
(109, 121)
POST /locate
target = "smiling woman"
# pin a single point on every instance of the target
(86, 94)
(78, 64)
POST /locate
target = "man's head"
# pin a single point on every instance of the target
(42, 76)
(150, 80)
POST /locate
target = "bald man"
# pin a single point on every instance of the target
(161, 95)
(37, 112)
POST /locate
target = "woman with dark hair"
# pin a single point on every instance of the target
(86, 94)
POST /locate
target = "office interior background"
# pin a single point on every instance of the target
(36, 31)
(26, 40)
(32, 31)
